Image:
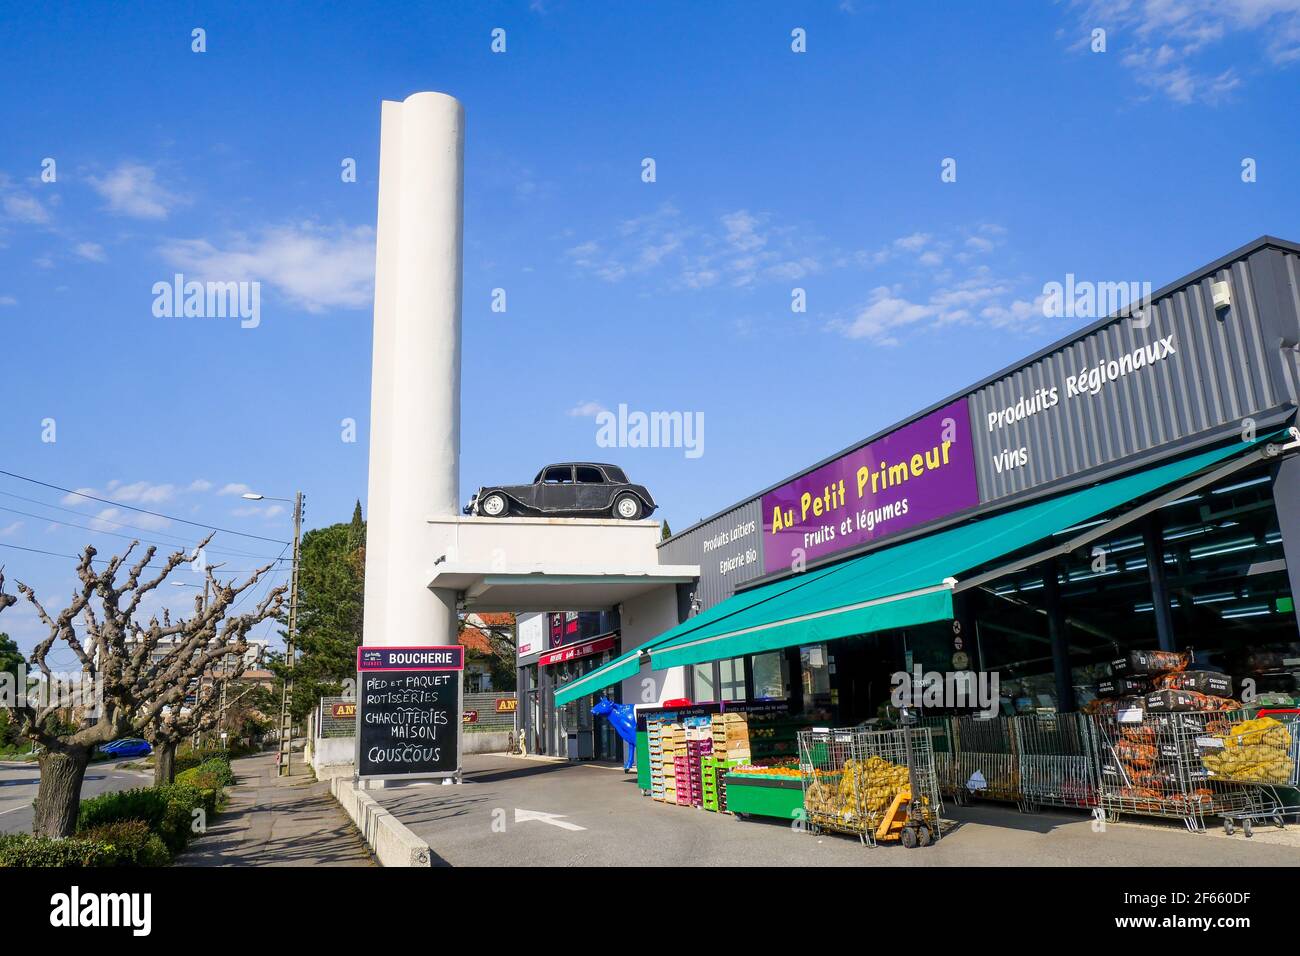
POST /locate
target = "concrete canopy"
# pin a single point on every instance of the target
(547, 564)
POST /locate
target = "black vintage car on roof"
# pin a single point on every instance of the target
(585, 489)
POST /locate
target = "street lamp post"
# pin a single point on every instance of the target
(286, 720)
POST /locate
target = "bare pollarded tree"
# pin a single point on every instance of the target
(198, 716)
(138, 674)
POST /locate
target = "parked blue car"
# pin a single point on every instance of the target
(127, 747)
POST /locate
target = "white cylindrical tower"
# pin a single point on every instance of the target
(415, 387)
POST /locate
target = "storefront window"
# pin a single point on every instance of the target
(706, 688)
(732, 679)
(772, 676)
(815, 670)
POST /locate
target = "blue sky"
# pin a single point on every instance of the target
(774, 170)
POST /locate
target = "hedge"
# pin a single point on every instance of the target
(131, 843)
(127, 843)
(167, 811)
(209, 775)
(194, 758)
(23, 849)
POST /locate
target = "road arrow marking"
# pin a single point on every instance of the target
(554, 819)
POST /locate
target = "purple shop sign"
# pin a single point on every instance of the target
(922, 471)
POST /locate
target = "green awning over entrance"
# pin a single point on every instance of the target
(907, 584)
(628, 664)
(624, 666)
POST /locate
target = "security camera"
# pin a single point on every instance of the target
(1221, 292)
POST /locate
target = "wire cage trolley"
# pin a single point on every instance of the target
(1057, 757)
(1261, 757)
(879, 785)
(1150, 765)
(985, 763)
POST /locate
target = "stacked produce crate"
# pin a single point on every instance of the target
(688, 771)
(713, 773)
(730, 737)
(673, 739)
(654, 738)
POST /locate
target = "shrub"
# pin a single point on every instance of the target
(129, 843)
(209, 775)
(25, 850)
(167, 811)
(193, 758)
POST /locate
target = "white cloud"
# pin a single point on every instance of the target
(8, 300)
(199, 484)
(92, 251)
(884, 313)
(586, 410)
(935, 295)
(25, 208)
(258, 511)
(314, 266)
(1020, 314)
(1171, 43)
(142, 492)
(10, 529)
(112, 519)
(740, 248)
(132, 189)
(234, 488)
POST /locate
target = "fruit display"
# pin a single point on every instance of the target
(771, 770)
(1252, 751)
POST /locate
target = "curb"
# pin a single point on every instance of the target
(390, 841)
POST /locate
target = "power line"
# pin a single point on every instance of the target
(145, 511)
(153, 567)
(116, 524)
(125, 537)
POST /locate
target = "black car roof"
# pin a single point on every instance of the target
(597, 464)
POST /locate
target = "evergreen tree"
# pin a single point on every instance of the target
(331, 591)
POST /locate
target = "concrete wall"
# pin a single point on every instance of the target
(504, 545)
(391, 842)
(331, 756)
(485, 742)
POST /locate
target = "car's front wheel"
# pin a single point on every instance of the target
(495, 505)
(627, 507)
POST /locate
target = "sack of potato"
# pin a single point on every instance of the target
(1252, 751)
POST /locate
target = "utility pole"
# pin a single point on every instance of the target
(286, 719)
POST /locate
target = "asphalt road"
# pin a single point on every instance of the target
(499, 817)
(19, 780)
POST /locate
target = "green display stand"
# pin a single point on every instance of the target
(772, 797)
(643, 760)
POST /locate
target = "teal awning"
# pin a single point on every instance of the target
(909, 583)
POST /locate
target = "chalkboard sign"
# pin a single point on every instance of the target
(409, 720)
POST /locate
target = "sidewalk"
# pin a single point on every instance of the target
(277, 821)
